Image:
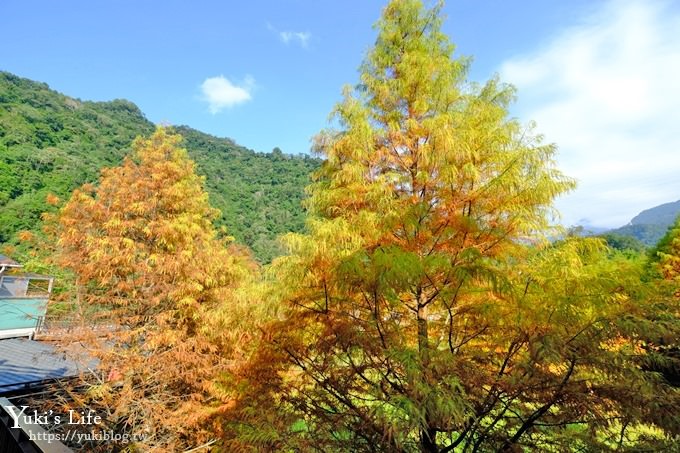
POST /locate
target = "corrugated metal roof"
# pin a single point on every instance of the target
(6, 261)
(23, 362)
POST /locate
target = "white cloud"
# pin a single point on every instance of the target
(607, 91)
(299, 36)
(288, 37)
(220, 93)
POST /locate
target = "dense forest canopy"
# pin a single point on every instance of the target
(51, 144)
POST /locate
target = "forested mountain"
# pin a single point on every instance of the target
(51, 143)
(664, 215)
(650, 225)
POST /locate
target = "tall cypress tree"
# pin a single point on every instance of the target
(424, 310)
(148, 263)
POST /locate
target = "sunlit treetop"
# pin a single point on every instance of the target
(419, 145)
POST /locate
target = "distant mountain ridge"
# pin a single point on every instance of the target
(663, 214)
(52, 143)
(650, 225)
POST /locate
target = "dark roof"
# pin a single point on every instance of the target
(6, 261)
(24, 362)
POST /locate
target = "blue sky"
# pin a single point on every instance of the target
(267, 73)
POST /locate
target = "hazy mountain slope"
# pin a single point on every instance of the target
(664, 214)
(650, 225)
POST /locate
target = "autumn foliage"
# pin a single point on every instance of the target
(668, 254)
(425, 309)
(430, 305)
(153, 275)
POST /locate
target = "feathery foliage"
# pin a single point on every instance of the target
(150, 267)
(424, 310)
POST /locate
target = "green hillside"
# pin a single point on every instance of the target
(51, 143)
(648, 234)
(258, 194)
(650, 225)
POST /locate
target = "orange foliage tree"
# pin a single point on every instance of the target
(151, 269)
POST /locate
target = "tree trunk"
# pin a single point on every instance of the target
(428, 435)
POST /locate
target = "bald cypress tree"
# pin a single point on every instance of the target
(149, 265)
(424, 310)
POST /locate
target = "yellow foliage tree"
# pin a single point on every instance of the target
(669, 254)
(424, 309)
